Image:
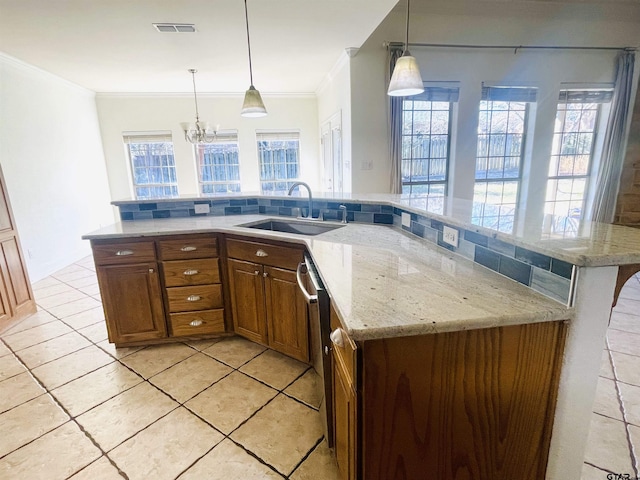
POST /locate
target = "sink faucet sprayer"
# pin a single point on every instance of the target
(302, 184)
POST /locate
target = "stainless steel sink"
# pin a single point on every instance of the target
(301, 227)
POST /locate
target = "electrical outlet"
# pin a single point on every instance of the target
(406, 220)
(202, 208)
(450, 236)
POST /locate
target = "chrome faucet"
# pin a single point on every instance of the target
(343, 211)
(302, 184)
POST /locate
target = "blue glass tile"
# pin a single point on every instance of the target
(502, 247)
(217, 211)
(384, 218)
(431, 234)
(232, 210)
(238, 203)
(436, 224)
(518, 271)
(252, 201)
(533, 258)
(148, 206)
(272, 210)
(561, 268)
(277, 203)
(486, 257)
(370, 208)
(130, 208)
(220, 203)
(466, 248)
(476, 238)
(350, 216)
(292, 203)
(551, 285)
(285, 211)
(397, 211)
(264, 202)
(417, 229)
(443, 244)
(386, 209)
(353, 207)
(161, 214)
(250, 209)
(363, 217)
(191, 204)
(423, 220)
(262, 209)
(179, 213)
(143, 215)
(126, 215)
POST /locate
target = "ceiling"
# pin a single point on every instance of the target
(111, 45)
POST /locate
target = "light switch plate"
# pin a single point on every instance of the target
(450, 236)
(202, 208)
(406, 220)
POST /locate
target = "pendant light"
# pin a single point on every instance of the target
(406, 79)
(201, 132)
(253, 105)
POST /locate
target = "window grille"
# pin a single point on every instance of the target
(152, 164)
(279, 158)
(219, 164)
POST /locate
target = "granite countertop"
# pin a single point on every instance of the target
(383, 282)
(585, 243)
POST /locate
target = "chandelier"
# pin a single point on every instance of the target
(201, 132)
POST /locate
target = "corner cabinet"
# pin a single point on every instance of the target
(268, 307)
(131, 291)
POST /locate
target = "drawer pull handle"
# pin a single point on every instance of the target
(265, 274)
(196, 323)
(193, 298)
(261, 253)
(123, 253)
(151, 270)
(336, 337)
(188, 248)
(257, 272)
(191, 272)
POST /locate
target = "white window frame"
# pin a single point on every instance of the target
(200, 151)
(268, 173)
(170, 186)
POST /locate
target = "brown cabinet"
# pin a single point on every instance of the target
(267, 304)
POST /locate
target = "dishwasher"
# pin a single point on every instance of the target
(317, 298)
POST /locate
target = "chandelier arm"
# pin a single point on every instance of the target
(246, 18)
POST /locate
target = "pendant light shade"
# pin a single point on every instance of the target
(406, 79)
(253, 105)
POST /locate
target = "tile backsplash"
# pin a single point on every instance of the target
(550, 276)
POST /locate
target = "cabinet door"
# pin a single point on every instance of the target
(344, 422)
(287, 318)
(247, 300)
(132, 301)
(18, 285)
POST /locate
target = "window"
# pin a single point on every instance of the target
(279, 157)
(219, 165)
(502, 125)
(426, 140)
(153, 168)
(572, 155)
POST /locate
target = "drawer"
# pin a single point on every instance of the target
(197, 297)
(346, 355)
(196, 323)
(125, 252)
(180, 273)
(188, 247)
(264, 253)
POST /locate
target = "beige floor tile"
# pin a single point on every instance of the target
(624, 342)
(96, 387)
(77, 306)
(97, 298)
(298, 430)
(123, 416)
(70, 367)
(625, 322)
(155, 359)
(634, 436)
(307, 389)
(92, 289)
(39, 318)
(234, 351)
(607, 444)
(627, 368)
(231, 401)
(68, 269)
(70, 276)
(189, 377)
(631, 291)
(96, 333)
(101, 469)
(52, 290)
(17, 390)
(630, 396)
(28, 422)
(201, 345)
(60, 299)
(627, 305)
(588, 473)
(320, 464)
(606, 369)
(54, 456)
(274, 369)
(168, 447)
(4, 350)
(51, 349)
(86, 318)
(227, 461)
(44, 283)
(84, 282)
(10, 367)
(35, 335)
(118, 353)
(606, 402)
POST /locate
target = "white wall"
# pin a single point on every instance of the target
(465, 23)
(121, 113)
(51, 155)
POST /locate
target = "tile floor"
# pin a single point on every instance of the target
(614, 438)
(78, 408)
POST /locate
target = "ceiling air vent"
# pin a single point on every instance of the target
(175, 27)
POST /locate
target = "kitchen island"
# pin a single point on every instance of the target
(386, 283)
